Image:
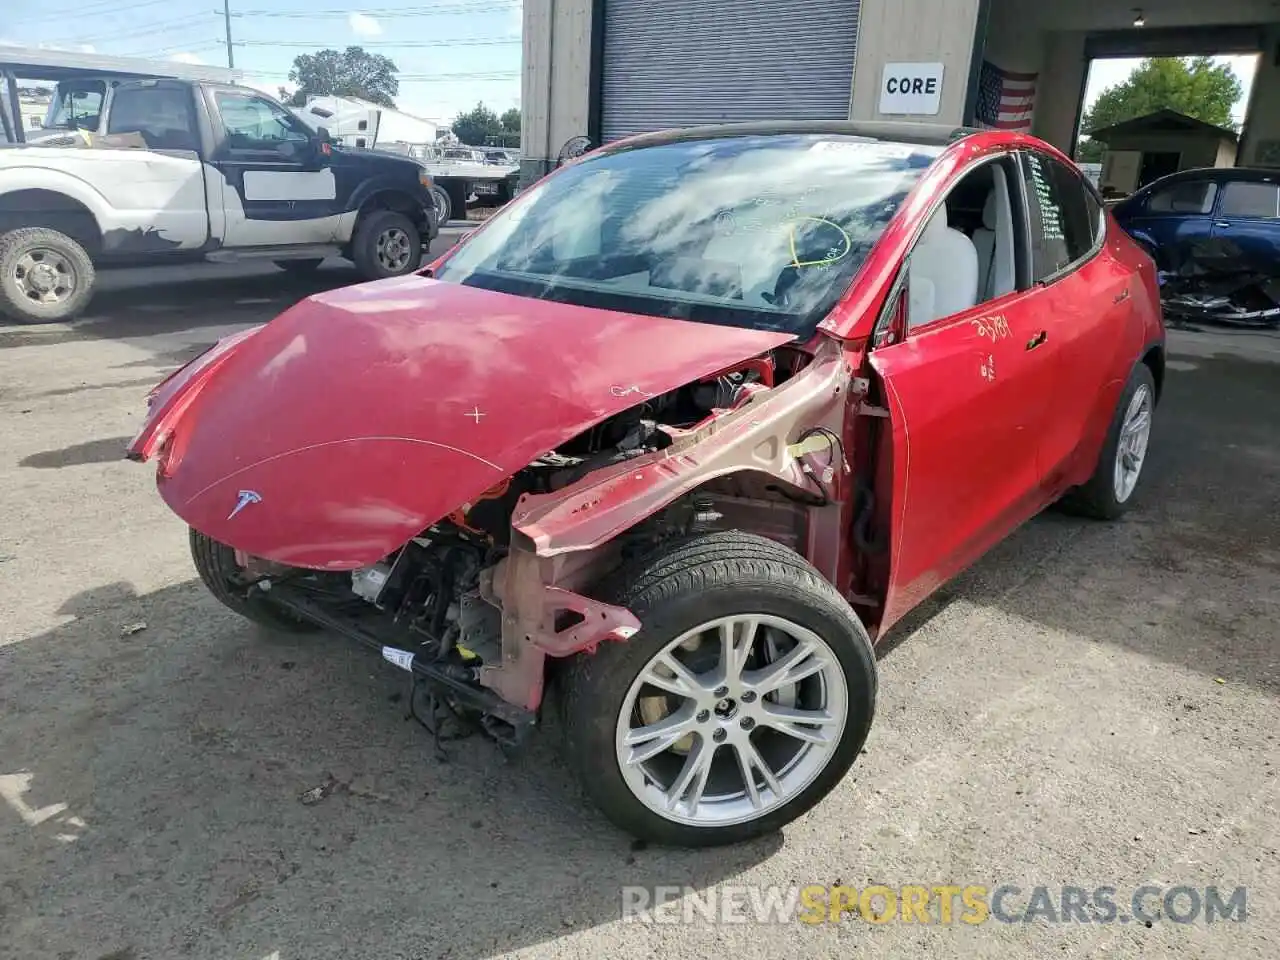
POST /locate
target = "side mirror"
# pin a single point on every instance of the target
(323, 134)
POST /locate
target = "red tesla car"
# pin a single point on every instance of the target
(676, 437)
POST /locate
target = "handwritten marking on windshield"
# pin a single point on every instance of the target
(837, 251)
(476, 413)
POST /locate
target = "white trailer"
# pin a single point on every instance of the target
(462, 175)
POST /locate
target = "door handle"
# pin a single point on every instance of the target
(1223, 224)
(1038, 339)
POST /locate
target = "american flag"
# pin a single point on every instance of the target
(1006, 100)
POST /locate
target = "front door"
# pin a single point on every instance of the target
(275, 188)
(966, 394)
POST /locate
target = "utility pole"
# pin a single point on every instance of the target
(226, 16)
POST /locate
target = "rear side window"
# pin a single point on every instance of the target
(1193, 196)
(1063, 225)
(1245, 199)
(163, 116)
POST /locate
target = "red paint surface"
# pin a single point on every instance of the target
(364, 414)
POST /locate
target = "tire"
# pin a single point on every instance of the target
(372, 258)
(216, 564)
(300, 267)
(683, 585)
(67, 262)
(1100, 497)
(444, 206)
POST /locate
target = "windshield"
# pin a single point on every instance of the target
(763, 231)
(77, 106)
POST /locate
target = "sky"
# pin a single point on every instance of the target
(1109, 73)
(468, 50)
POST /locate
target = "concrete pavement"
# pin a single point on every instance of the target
(1091, 705)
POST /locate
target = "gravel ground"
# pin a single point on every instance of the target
(1092, 705)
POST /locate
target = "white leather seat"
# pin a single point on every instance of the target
(943, 274)
(994, 242)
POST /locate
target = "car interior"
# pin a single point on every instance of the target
(966, 253)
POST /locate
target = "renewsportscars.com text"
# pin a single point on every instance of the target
(936, 904)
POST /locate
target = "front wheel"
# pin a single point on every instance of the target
(742, 701)
(216, 564)
(45, 276)
(386, 244)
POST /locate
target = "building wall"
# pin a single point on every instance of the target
(555, 81)
(905, 31)
(1261, 136)
(1196, 151)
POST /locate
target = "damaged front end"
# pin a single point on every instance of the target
(477, 605)
(1215, 281)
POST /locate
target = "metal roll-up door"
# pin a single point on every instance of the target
(679, 63)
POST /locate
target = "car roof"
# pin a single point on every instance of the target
(1217, 174)
(925, 134)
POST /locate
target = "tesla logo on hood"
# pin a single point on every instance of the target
(246, 497)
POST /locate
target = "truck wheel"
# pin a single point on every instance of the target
(444, 207)
(216, 564)
(742, 701)
(386, 244)
(45, 276)
(300, 267)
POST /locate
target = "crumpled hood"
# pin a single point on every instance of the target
(330, 436)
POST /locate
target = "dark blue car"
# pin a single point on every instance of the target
(1223, 213)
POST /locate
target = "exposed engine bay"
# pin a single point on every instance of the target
(429, 606)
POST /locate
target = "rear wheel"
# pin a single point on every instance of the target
(45, 276)
(1108, 493)
(742, 701)
(444, 206)
(386, 244)
(216, 564)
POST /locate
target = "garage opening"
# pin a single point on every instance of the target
(1046, 69)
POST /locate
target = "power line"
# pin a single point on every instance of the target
(463, 42)
(95, 7)
(385, 13)
(180, 23)
(416, 77)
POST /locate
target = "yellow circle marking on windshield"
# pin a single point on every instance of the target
(795, 258)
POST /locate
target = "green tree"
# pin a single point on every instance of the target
(353, 72)
(1195, 86)
(511, 121)
(475, 126)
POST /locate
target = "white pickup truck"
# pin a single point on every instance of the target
(227, 173)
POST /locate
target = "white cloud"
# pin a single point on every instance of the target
(186, 58)
(363, 25)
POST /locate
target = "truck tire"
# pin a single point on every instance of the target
(45, 276)
(300, 267)
(216, 564)
(386, 244)
(444, 206)
(806, 723)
